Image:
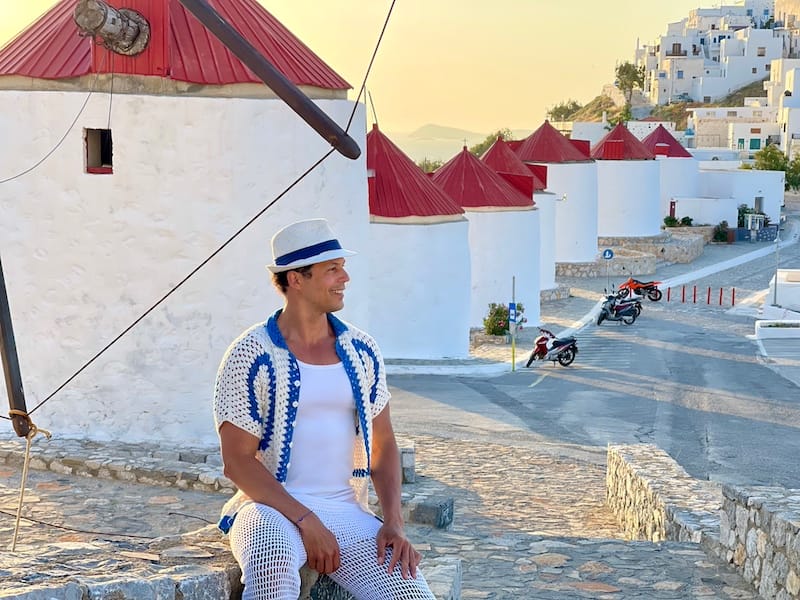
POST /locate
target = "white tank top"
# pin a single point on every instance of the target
(321, 462)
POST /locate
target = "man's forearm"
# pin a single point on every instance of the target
(387, 480)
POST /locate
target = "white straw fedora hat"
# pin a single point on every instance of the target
(305, 243)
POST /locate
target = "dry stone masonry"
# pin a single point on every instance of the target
(757, 529)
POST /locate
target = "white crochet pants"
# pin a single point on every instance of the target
(270, 551)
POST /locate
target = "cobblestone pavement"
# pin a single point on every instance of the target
(530, 522)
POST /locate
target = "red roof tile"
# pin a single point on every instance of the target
(660, 135)
(399, 188)
(548, 145)
(180, 47)
(501, 158)
(473, 184)
(621, 144)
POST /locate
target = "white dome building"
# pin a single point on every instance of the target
(172, 151)
(503, 240)
(628, 184)
(569, 216)
(420, 259)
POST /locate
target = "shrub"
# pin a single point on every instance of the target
(686, 221)
(721, 232)
(496, 320)
(670, 221)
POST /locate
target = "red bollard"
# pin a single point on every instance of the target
(694, 294)
(733, 296)
(720, 296)
(683, 294)
(668, 293)
(708, 296)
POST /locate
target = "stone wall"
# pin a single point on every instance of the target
(757, 529)
(707, 231)
(665, 247)
(655, 499)
(760, 535)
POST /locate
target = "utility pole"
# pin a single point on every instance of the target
(777, 265)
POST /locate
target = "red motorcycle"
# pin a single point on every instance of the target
(640, 288)
(548, 347)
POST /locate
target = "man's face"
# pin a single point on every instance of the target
(325, 288)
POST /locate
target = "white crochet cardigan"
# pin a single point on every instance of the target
(258, 390)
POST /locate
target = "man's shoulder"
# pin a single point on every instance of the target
(254, 340)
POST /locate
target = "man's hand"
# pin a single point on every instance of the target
(403, 552)
(322, 549)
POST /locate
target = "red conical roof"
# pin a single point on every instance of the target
(180, 48)
(474, 185)
(660, 135)
(548, 145)
(502, 159)
(399, 188)
(621, 144)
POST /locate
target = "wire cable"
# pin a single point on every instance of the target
(182, 281)
(69, 129)
(369, 67)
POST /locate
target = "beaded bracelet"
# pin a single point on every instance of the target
(303, 517)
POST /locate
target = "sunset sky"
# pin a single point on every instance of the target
(472, 64)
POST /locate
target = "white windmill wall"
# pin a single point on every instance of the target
(504, 249)
(546, 203)
(679, 177)
(628, 198)
(574, 186)
(84, 255)
(420, 289)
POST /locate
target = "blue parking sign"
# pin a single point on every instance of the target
(512, 312)
(608, 254)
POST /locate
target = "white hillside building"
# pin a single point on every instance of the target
(711, 53)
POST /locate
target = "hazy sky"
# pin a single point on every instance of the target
(473, 64)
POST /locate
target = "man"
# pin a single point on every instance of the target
(300, 404)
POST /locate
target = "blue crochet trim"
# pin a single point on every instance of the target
(225, 523)
(261, 361)
(291, 415)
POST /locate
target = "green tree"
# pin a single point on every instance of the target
(429, 165)
(629, 77)
(563, 111)
(793, 174)
(772, 158)
(481, 147)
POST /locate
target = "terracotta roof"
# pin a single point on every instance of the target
(621, 144)
(180, 47)
(548, 145)
(398, 187)
(473, 184)
(502, 159)
(660, 135)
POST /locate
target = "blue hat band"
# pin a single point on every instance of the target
(307, 252)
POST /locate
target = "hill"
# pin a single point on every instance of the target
(674, 112)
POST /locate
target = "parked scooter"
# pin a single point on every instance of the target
(548, 347)
(641, 288)
(618, 309)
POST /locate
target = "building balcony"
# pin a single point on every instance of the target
(670, 53)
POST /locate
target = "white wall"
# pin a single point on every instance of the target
(628, 193)
(707, 211)
(678, 177)
(743, 186)
(420, 289)
(504, 248)
(546, 205)
(84, 255)
(576, 214)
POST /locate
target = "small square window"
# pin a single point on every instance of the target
(679, 74)
(99, 149)
(731, 113)
(755, 70)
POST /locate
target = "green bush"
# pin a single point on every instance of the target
(686, 221)
(670, 221)
(721, 232)
(496, 320)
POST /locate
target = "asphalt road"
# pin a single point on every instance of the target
(684, 377)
